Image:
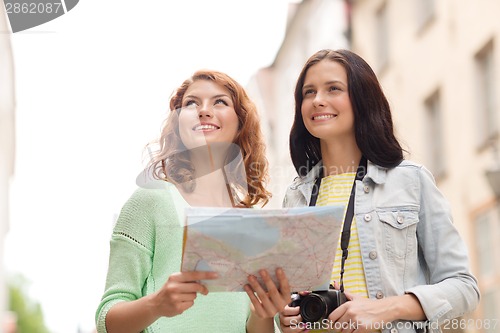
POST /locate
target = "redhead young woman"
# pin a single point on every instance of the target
(145, 291)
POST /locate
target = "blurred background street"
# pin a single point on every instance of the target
(80, 96)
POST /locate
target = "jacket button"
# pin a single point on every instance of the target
(379, 295)
(368, 217)
(373, 255)
(400, 219)
(366, 188)
(394, 330)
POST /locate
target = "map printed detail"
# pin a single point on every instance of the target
(238, 242)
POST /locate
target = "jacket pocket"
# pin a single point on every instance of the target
(400, 228)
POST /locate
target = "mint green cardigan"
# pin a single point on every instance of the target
(145, 248)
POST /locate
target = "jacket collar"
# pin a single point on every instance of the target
(309, 178)
(376, 173)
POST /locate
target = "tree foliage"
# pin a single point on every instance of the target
(29, 312)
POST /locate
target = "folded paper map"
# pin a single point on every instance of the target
(238, 242)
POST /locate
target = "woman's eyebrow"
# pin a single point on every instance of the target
(213, 97)
(191, 96)
(221, 95)
(334, 82)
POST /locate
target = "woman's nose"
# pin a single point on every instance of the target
(205, 111)
(318, 100)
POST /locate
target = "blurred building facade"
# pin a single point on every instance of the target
(7, 149)
(311, 25)
(439, 64)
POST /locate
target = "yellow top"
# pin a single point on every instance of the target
(336, 189)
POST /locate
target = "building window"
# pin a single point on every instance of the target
(426, 11)
(434, 136)
(487, 127)
(382, 39)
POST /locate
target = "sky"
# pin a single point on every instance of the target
(92, 88)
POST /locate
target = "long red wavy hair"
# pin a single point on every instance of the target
(170, 161)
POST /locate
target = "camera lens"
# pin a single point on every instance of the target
(313, 308)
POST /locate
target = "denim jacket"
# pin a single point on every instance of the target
(408, 242)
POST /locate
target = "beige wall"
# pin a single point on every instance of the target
(440, 55)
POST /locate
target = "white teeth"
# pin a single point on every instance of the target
(324, 116)
(205, 127)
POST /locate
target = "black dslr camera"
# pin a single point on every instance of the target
(317, 305)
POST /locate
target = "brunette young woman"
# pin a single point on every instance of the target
(406, 268)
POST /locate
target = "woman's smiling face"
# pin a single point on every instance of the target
(326, 107)
(207, 115)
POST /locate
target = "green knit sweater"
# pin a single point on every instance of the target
(145, 248)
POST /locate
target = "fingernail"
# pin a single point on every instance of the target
(263, 273)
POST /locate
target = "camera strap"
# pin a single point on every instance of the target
(346, 230)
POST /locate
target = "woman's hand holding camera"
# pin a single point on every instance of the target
(290, 319)
(363, 315)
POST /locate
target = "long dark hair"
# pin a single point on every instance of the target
(372, 115)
